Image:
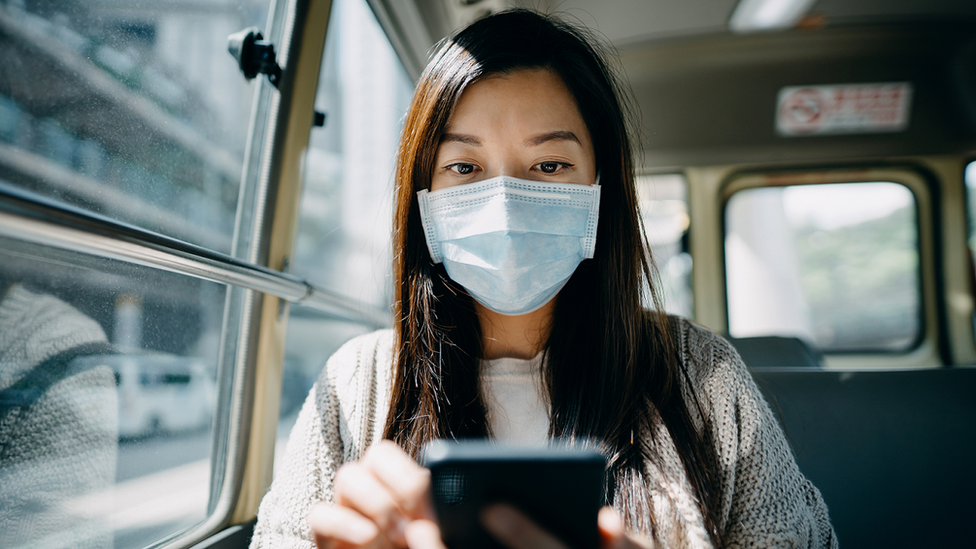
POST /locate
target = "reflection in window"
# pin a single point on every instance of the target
(836, 265)
(664, 209)
(970, 177)
(107, 396)
(138, 115)
(343, 242)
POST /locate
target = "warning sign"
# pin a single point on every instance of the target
(848, 108)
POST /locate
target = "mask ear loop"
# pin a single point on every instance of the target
(597, 183)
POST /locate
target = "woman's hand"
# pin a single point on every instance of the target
(375, 500)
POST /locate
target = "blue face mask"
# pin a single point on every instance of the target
(511, 243)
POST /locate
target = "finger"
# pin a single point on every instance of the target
(333, 525)
(610, 525)
(408, 482)
(613, 533)
(515, 530)
(357, 488)
(424, 534)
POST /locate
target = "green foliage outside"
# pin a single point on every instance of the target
(862, 282)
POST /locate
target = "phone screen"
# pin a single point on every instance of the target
(560, 488)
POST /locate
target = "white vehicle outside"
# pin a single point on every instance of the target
(160, 393)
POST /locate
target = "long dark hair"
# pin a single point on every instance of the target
(610, 365)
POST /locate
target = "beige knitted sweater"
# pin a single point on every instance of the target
(764, 499)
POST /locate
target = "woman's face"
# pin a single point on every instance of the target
(524, 124)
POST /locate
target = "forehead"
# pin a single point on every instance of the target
(526, 99)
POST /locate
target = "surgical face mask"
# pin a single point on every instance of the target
(511, 243)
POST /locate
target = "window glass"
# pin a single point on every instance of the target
(344, 226)
(664, 210)
(343, 242)
(107, 398)
(133, 110)
(970, 178)
(836, 265)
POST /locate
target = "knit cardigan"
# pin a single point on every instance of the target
(763, 499)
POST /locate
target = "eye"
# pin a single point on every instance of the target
(461, 168)
(552, 167)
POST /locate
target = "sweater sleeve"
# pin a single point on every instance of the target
(764, 499)
(314, 452)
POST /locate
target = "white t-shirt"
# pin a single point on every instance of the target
(517, 412)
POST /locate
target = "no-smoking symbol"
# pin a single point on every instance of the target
(803, 109)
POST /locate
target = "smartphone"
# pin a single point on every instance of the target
(560, 488)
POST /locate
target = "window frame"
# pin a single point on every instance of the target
(930, 349)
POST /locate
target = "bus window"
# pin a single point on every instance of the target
(107, 396)
(116, 118)
(343, 242)
(663, 200)
(835, 265)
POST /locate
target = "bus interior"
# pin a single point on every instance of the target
(807, 179)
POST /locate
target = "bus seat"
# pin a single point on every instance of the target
(777, 351)
(891, 451)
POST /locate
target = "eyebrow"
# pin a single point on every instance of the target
(460, 138)
(532, 141)
(552, 136)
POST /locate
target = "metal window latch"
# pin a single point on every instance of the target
(254, 55)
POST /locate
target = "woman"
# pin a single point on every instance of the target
(512, 320)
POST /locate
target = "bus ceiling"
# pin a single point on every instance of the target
(710, 77)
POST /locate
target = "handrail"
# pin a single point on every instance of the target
(27, 217)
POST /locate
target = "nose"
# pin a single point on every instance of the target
(511, 168)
